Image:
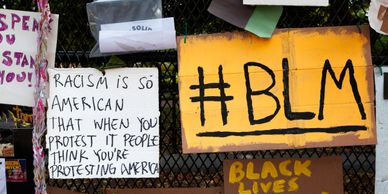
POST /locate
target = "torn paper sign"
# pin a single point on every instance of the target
(288, 2)
(144, 35)
(259, 20)
(378, 16)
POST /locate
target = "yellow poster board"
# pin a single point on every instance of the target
(310, 87)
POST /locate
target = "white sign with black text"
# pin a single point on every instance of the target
(381, 185)
(103, 126)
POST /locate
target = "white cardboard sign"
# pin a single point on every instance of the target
(381, 185)
(144, 35)
(18, 48)
(103, 126)
(288, 2)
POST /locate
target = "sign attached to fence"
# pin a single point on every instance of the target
(288, 2)
(297, 176)
(378, 16)
(308, 87)
(103, 126)
(381, 76)
(18, 40)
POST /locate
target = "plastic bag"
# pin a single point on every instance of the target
(115, 11)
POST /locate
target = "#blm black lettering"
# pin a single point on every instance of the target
(266, 92)
(348, 68)
(202, 98)
(290, 115)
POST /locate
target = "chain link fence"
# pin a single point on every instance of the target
(205, 170)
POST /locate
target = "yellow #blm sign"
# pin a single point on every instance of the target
(309, 87)
(297, 176)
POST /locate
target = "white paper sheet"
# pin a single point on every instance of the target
(113, 120)
(124, 41)
(145, 35)
(161, 24)
(374, 21)
(3, 177)
(381, 186)
(18, 54)
(288, 2)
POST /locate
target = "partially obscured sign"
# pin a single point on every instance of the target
(16, 170)
(297, 176)
(381, 79)
(18, 50)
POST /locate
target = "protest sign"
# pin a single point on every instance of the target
(378, 16)
(381, 80)
(283, 175)
(19, 46)
(309, 87)
(103, 126)
(16, 170)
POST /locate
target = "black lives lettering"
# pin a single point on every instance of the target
(288, 111)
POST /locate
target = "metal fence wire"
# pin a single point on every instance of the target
(204, 170)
